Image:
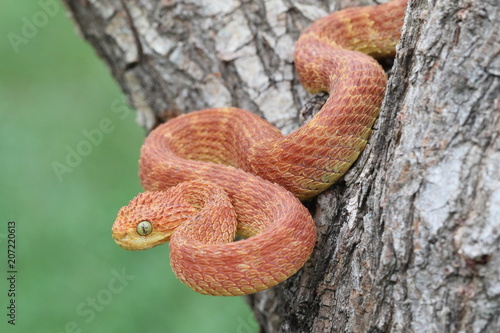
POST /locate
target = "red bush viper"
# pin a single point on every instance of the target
(204, 172)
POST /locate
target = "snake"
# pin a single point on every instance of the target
(225, 187)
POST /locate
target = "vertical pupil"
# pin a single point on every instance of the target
(144, 228)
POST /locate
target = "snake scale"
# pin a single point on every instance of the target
(213, 174)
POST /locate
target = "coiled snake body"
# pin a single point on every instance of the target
(212, 174)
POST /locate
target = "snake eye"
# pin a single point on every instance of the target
(144, 228)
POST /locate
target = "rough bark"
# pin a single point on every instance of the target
(410, 240)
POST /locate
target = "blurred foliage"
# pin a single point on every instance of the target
(54, 95)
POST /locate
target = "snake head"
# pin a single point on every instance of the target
(149, 220)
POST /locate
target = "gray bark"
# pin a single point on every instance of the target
(410, 240)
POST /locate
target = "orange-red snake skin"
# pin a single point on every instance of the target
(204, 172)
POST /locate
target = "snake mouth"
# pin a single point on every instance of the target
(130, 240)
(122, 241)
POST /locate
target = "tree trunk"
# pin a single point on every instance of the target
(410, 240)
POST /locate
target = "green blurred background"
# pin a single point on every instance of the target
(71, 276)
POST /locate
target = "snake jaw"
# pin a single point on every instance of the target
(129, 239)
